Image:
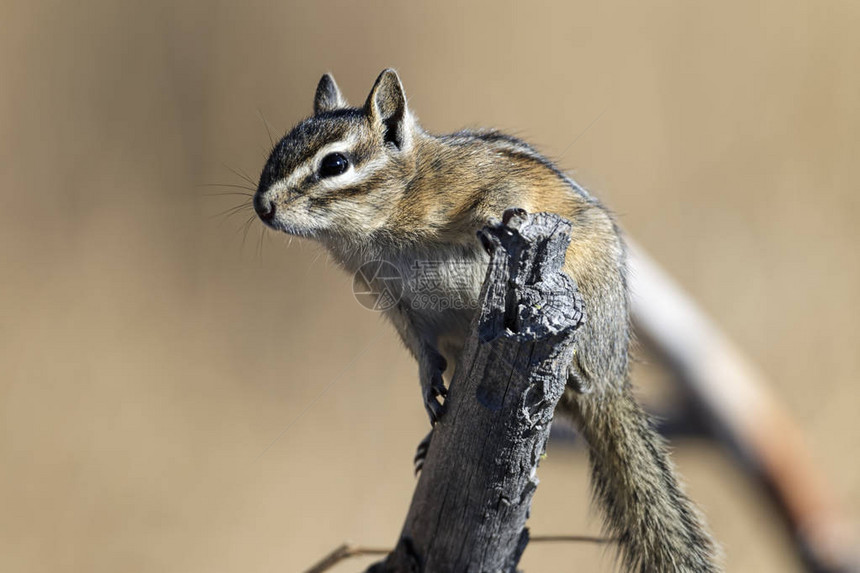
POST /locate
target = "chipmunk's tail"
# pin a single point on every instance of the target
(657, 527)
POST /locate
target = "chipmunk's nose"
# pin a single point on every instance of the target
(265, 208)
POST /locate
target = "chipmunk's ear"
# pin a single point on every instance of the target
(328, 96)
(386, 107)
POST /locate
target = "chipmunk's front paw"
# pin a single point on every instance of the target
(512, 219)
(433, 387)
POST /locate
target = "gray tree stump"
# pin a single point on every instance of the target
(470, 506)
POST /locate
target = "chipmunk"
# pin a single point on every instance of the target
(369, 183)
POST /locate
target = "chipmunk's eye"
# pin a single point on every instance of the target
(333, 164)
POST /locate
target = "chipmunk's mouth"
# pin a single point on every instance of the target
(273, 215)
(292, 230)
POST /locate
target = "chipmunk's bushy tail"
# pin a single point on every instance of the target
(657, 527)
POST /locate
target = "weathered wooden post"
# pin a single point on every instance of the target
(470, 506)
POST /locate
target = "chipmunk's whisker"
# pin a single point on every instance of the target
(229, 186)
(241, 174)
(266, 125)
(246, 227)
(232, 211)
(228, 194)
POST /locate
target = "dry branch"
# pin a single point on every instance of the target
(470, 506)
(743, 413)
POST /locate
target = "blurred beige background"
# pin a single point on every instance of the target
(175, 400)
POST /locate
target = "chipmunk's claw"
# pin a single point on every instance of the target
(516, 214)
(511, 221)
(433, 388)
(435, 408)
(421, 453)
(486, 242)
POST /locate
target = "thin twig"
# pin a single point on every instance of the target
(348, 550)
(345, 551)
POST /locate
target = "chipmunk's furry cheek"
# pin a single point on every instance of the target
(314, 217)
(352, 217)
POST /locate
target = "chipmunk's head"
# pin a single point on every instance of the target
(339, 174)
